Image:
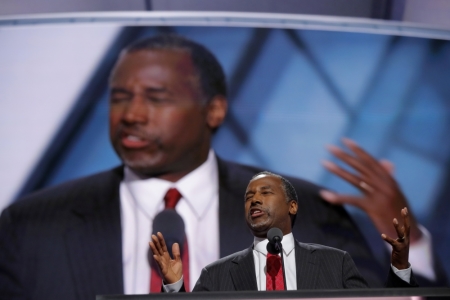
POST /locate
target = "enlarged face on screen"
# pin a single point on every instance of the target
(266, 206)
(158, 116)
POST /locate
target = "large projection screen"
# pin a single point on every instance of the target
(296, 85)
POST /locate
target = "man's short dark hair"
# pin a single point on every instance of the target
(210, 72)
(288, 188)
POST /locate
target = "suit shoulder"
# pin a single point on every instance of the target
(318, 247)
(321, 249)
(65, 193)
(220, 263)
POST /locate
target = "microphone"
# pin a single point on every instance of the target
(171, 225)
(275, 236)
(274, 246)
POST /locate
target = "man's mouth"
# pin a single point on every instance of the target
(133, 141)
(256, 212)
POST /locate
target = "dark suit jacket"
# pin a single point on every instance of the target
(64, 242)
(318, 267)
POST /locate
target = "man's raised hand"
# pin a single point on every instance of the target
(381, 197)
(171, 269)
(400, 245)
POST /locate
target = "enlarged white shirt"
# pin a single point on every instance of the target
(142, 199)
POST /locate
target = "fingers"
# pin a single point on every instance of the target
(361, 161)
(402, 231)
(158, 245)
(347, 176)
(388, 239)
(366, 159)
(360, 182)
(155, 245)
(388, 166)
(171, 270)
(159, 250)
(352, 161)
(334, 198)
(162, 241)
(176, 252)
(399, 229)
(400, 246)
(406, 221)
(370, 176)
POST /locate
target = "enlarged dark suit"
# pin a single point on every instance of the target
(318, 267)
(65, 242)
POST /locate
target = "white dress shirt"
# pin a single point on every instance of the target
(142, 199)
(260, 258)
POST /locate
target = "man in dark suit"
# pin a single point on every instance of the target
(271, 202)
(168, 96)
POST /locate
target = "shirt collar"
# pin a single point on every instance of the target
(149, 193)
(260, 244)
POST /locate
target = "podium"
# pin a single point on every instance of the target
(369, 294)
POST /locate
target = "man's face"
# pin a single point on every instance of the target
(159, 123)
(266, 206)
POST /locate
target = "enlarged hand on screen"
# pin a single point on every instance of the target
(381, 196)
(400, 245)
(171, 269)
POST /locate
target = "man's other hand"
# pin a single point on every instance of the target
(400, 245)
(171, 269)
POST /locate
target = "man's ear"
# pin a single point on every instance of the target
(216, 111)
(293, 207)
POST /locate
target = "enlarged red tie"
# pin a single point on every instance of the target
(274, 274)
(171, 199)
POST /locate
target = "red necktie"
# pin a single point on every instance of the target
(274, 274)
(171, 199)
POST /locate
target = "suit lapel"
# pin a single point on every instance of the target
(233, 231)
(243, 272)
(94, 242)
(307, 267)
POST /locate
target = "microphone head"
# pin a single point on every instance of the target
(274, 235)
(171, 225)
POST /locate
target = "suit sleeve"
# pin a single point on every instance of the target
(204, 282)
(350, 275)
(393, 281)
(10, 277)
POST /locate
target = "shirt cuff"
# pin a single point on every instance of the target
(404, 274)
(173, 287)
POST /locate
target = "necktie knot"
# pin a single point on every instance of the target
(171, 198)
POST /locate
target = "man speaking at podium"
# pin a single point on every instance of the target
(271, 202)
